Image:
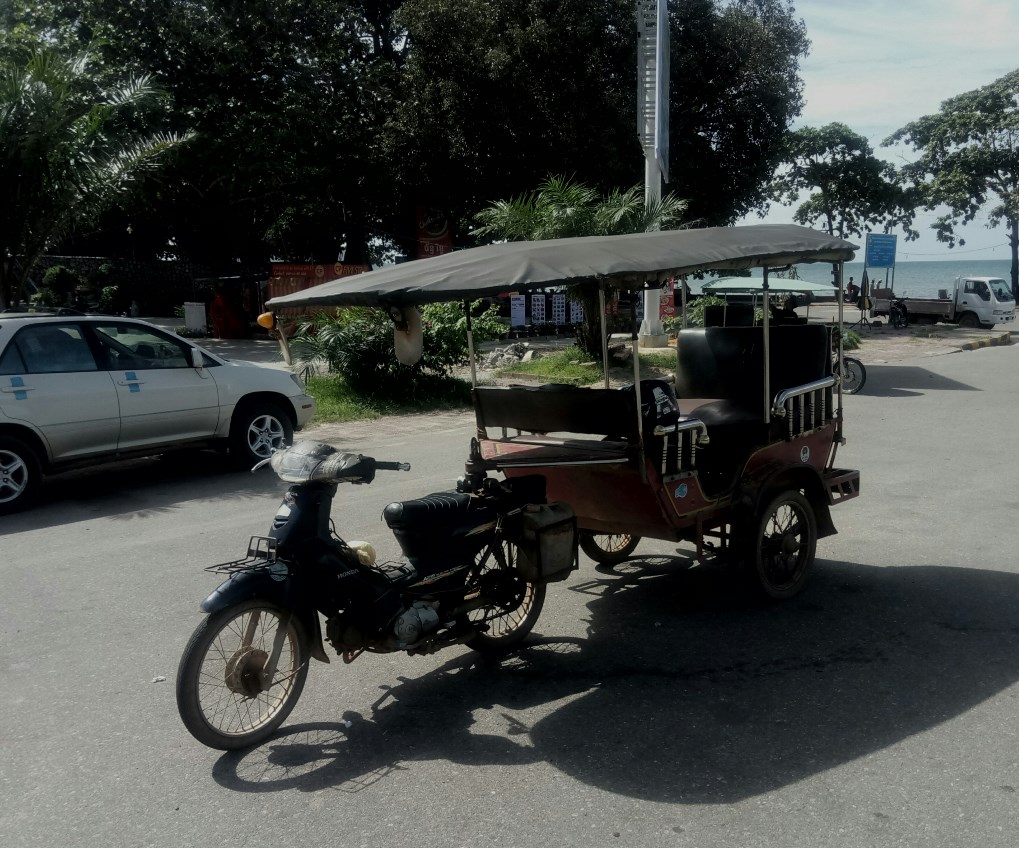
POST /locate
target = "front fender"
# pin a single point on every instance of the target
(248, 585)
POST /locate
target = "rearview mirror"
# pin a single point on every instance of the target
(197, 359)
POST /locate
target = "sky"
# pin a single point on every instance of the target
(876, 65)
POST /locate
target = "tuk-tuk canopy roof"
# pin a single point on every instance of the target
(626, 261)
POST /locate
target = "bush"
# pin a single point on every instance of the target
(358, 344)
(61, 282)
(695, 310)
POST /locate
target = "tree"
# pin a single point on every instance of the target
(67, 151)
(735, 90)
(494, 96)
(969, 160)
(562, 208)
(324, 121)
(850, 189)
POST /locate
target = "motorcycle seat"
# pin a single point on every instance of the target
(444, 510)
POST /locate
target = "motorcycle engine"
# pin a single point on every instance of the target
(415, 622)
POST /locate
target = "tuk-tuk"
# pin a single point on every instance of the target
(736, 456)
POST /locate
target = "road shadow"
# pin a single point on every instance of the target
(682, 692)
(140, 488)
(895, 381)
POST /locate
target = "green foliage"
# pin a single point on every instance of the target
(67, 150)
(108, 299)
(328, 121)
(564, 208)
(695, 309)
(60, 280)
(445, 333)
(969, 161)
(850, 189)
(358, 344)
(851, 340)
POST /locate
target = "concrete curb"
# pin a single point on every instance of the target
(992, 341)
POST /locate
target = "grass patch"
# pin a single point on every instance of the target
(337, 402)
(659, 361)
(570, 365)
(576, 368)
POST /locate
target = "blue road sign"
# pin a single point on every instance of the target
(880, 251)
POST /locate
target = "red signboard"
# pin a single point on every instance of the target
(434, 237)
(287, 278)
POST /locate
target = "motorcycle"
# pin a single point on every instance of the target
(897, 314)
(475, 567)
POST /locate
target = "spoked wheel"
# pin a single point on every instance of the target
(222, 694)
(854, 375)
(516, 603)
(608, 548)
(782, 547)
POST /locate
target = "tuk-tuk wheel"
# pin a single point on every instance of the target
(782, 545)
(608, 548)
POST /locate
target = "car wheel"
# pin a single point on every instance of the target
(20, 474)
(258, 429)
(969, 321)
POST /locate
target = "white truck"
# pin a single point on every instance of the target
(976, 302)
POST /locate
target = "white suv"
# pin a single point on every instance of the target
(77, 389)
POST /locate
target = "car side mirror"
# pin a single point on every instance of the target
(197, 359)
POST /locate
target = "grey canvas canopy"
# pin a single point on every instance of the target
(626, 261)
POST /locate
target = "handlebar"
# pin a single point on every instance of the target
(382, 465)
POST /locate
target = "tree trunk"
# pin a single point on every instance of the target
(1013, 243)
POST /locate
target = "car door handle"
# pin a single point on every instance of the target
(129, 382)
(13, 389)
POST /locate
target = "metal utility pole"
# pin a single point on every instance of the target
(653, 131)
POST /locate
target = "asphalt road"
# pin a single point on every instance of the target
(652, 708)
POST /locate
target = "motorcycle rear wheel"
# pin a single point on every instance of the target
(508, 624)
(220, 696)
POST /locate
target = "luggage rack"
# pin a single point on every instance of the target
(261, 556)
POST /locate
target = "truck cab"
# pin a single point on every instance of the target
(989, 299)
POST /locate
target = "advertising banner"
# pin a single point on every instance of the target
(518, 310)
(433, 237)
(537, 309)
(558, 309)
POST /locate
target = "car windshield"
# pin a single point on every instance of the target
(1002, 291)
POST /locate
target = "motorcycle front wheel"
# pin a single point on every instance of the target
(222, 696)
(516, 603)
(854, 375)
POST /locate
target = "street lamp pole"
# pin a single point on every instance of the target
(653, 130)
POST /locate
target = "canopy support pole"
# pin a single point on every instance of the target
(634, 347)
(604, 334)
(767, 348)
(470, 344)
(839, 438)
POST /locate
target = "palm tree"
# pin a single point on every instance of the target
(67, 151)
(561, 208)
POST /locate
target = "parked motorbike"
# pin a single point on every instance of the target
(897, 314)
(475, 567)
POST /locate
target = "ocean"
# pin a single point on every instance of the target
(918, 279)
